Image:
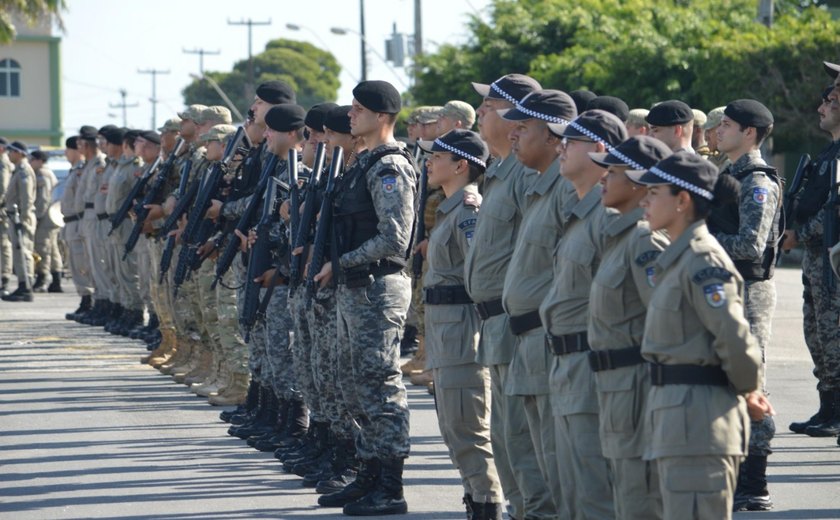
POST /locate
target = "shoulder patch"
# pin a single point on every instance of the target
(389, 184)
(650, 274)
(470, 222)
(715, 295)
(647, 257)
(711, 273)
(760, 195)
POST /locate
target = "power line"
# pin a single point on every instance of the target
(201, 53)
(250, 24)
(153, 99)
(123, 105)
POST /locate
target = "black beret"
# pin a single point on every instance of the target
(512, 87)
(285, 117)
(276, 92)
(749, 112)
(72, 142)
(19, 146)
(639, 153)
(39, 155)
(594, 125)
(670, 113)
(378, 96)
(3, 141)
(105, 129)
(551, 106)
(114, 135)
(610, 104)
(317, 114)
(338, 119)
(87, 133)
(582, 99)
(131, 135)
(151, 136)
(684, 169)
(463, 143)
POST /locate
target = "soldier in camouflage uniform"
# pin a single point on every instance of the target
(373, 221)
(748, 229)
(821, 307)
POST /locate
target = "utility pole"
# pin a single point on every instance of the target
(123, 106)
(153, 99)
(201, 53)
(250, 87)
(362, 33)
(418, 40)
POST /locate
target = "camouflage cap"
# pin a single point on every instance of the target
(173, 124)
(216, 114)
(713, 118)
(193, 113)
(699, 117)
(459, 111)
(218, 133)
(426, 114)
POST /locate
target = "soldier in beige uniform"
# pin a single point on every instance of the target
(529, 274)
(46, 232)
(505, 185)
(112, 144)
(617, 302)
(6, 168)
(704, 363)
(21, 193)
(79, 263)
(462, 386)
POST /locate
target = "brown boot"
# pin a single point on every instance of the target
(183, 365)
(198, 369)
(418, 362)
(168, 346)
(182, 355)
(421, 378)
(206, 372)
(234, 394)
(220, 379)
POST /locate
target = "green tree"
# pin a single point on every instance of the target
(312, 72)
(28, 10)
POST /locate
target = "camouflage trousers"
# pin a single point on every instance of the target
(370, 322)
(302, 354)
(821, 315)
(280, 342)
(327, 368)
(220, 320)
(163, 294)
(759, 304)
(186, 320)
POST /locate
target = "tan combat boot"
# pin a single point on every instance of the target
(234, 394)
(205, 371)
(221, 377)
(182, 355)
(168, 347)
(418, 362)
(198, 365)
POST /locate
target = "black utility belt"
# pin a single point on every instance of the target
(71, 218)
(446, 295)
(88, 205)
(661, 375)
(102, 216)
(487, 310)
(524, 323)
(567, 343)
(365, 275)
(600, 360)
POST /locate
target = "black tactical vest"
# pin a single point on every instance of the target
(814, 192)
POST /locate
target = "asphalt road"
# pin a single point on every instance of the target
(86, 431)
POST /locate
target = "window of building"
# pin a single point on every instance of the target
(9, 78)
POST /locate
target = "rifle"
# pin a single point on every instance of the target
(830, 228)
(789, 199)
(232, 247)
(119, 217)
(209, 187)
(18, 225)
(152, 194)
(259, 258)
(294, 193)
(324, 222)
(420, 229)
(301, 239)
(183, 203)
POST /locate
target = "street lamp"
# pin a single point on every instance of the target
(342, 31)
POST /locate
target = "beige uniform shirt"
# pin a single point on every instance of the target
(21, 191)
(45, 182)
(71, 185)
(451, 330)
(618, 301)
(121, 182)
(530, 274)
(88, 185)
(565, 309)
(6, 169)
(103, 181)
(696, 317)
(505, 186)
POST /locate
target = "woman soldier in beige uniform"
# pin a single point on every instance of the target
(462, 386)
(704, 363)
(619, 295)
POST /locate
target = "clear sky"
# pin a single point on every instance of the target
(107, 41)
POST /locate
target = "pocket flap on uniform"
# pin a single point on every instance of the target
(612, 276)
(697, 478)
(446, 313)
(668, 300)
(579, 252)
(675, 396)
(544, 236)
(503, 211)
(620, 380)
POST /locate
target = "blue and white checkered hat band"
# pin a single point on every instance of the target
(462, 153)
(540, 115)
(595, 137)
(624, 159)
(681, 183)
(504, 94)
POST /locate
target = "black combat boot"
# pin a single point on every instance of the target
(244, 408)
(751, 493)
(271, 441)
(313, 449)
(830, 427)
(4, 286)
(84, 306)
(319, 462)
(129, 320)
(254, 413)
(386, 498)
(486, 511)
(114, 317)
(21, 294)
(344, 468)
(40, 280)
(826, 403)
(468, 505)
(297, 424)
(103, 317)
(409, 342)
(366, 481)
(264, 420)
(55, 285)
(98, 310)
(141, 330)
